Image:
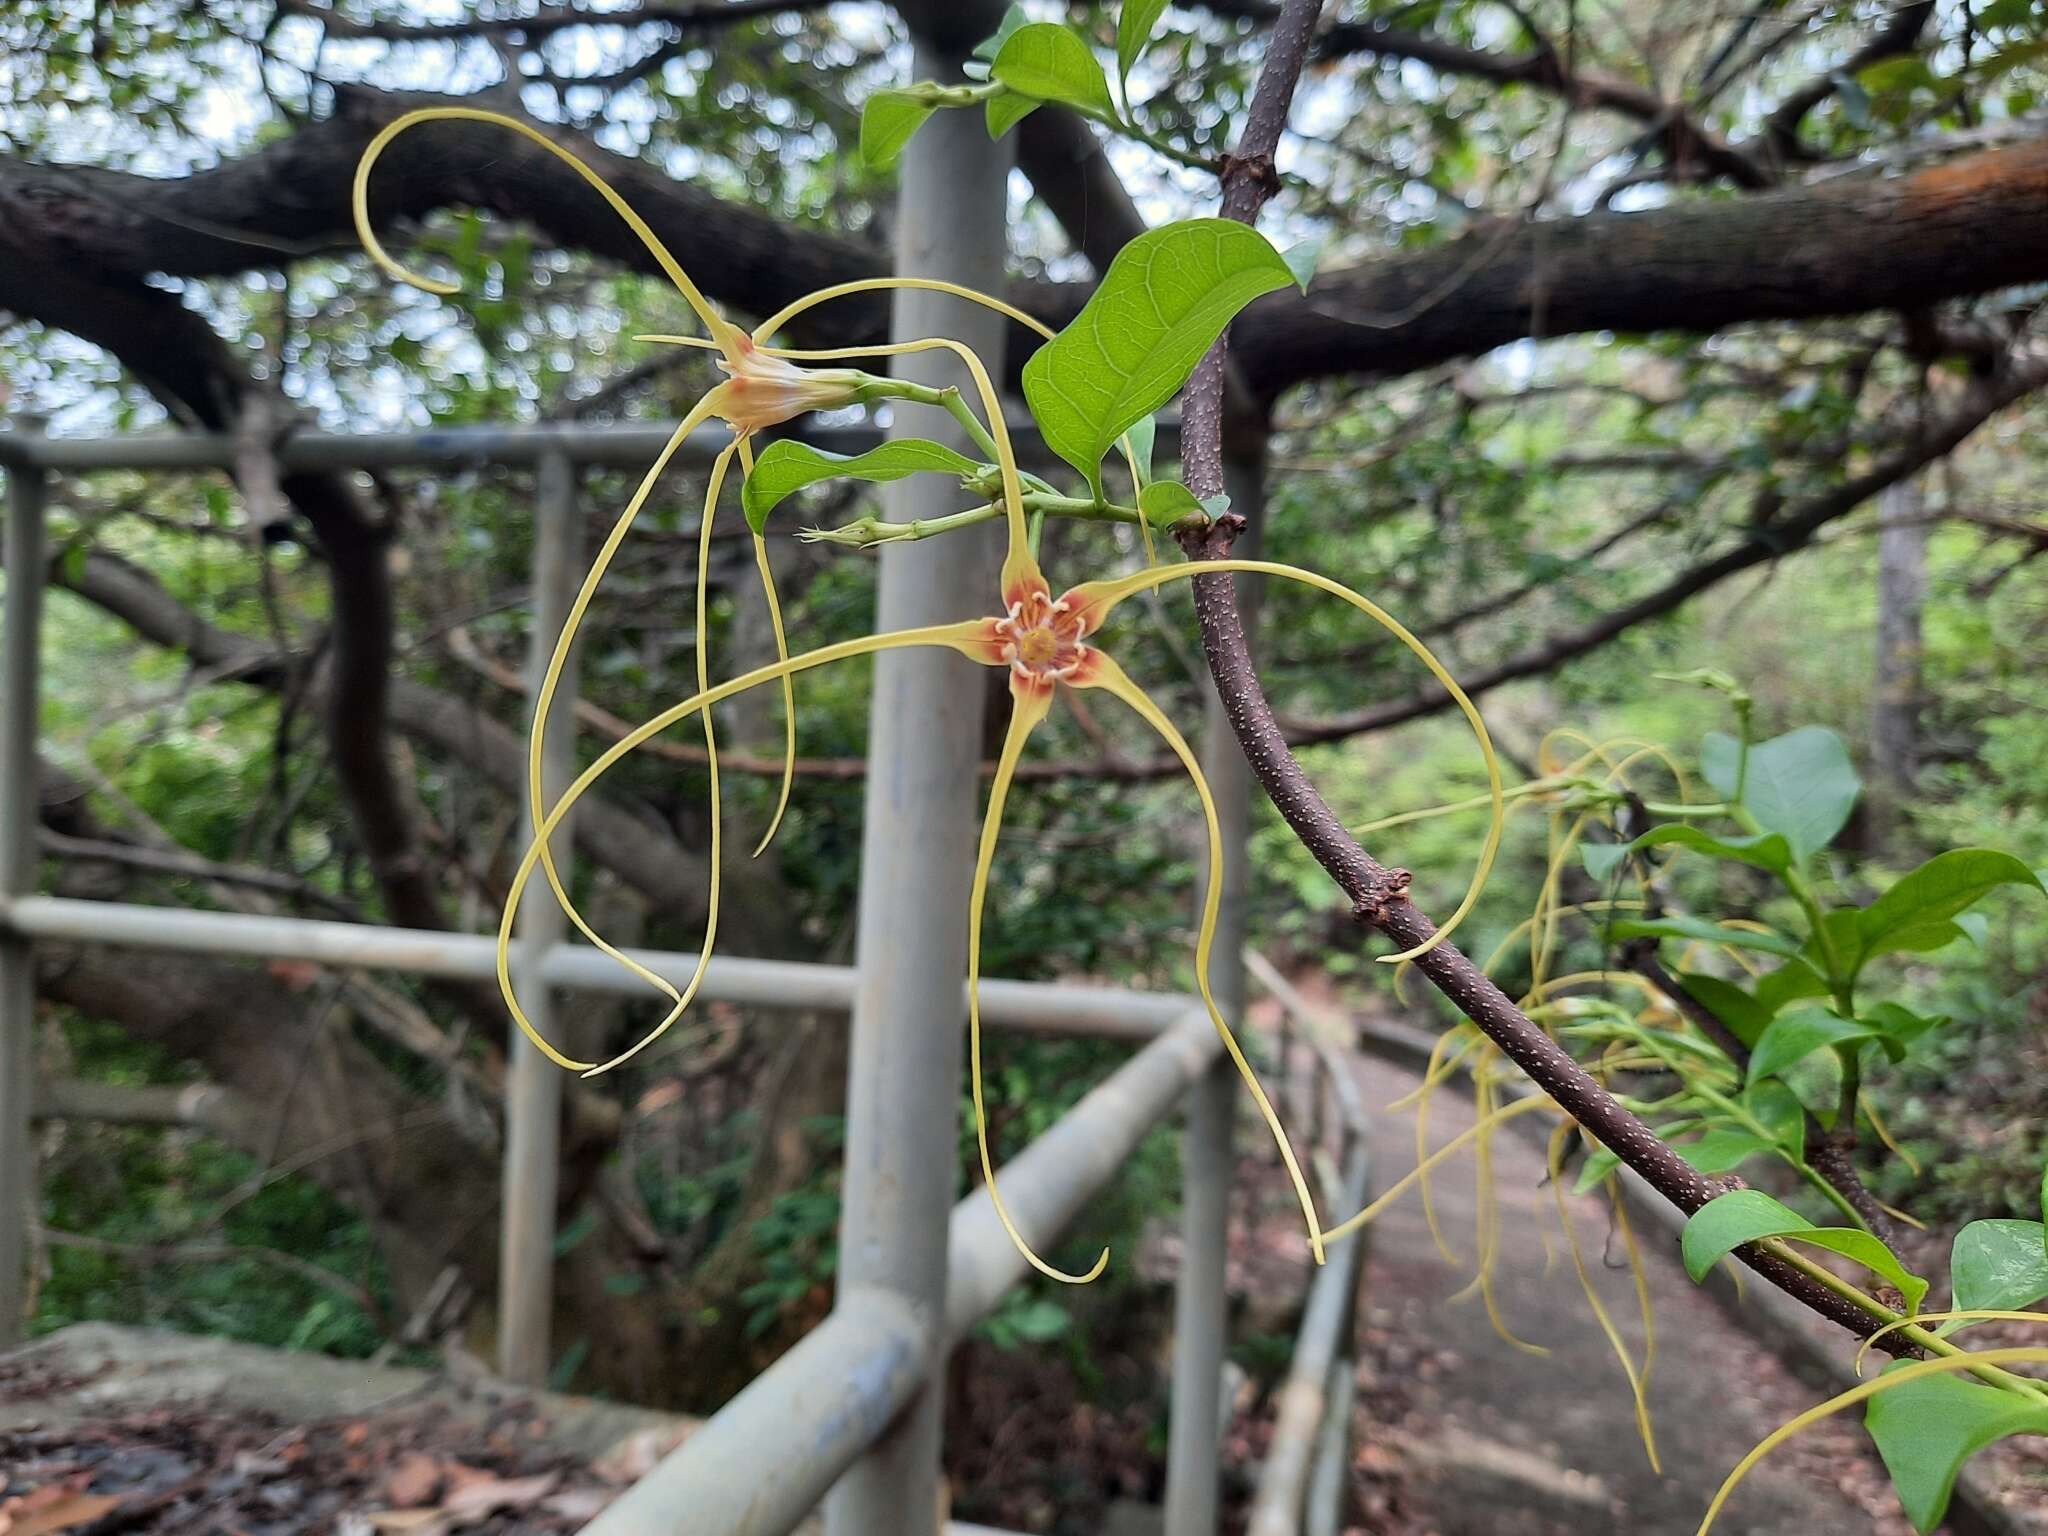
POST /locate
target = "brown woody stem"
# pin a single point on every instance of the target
(1379, 895)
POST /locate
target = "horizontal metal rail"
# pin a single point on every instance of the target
(627, 445)
(1034, 1006)
(762, 1463)
(1305, 1399)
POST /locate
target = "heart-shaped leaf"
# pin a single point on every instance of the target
(1302, 260)
(1925, 1430)
(787, 466)
(1741, 1216)
(1800, 785)
(1999, 1266)
(1793, 1037)
(1166, 297)
(888, 121)
(1048, 62)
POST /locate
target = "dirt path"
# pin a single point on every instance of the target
(1489, 1439)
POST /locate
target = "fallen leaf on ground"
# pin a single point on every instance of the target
(414, 1481)
(35, 1515)
(407, 1522)
(578, 1504)
(480, 1497)
(636, 1455)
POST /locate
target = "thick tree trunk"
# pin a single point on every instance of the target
(1896, 698)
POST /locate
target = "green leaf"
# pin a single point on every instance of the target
(1800, 785)
(1741, 1216)
(571, 1235)
(1143, 435)
(1852, 99)
(1925, 1430)
(888, 121)
(1038, 1322)
(1922, 904)
(1048, 62)
(2000, 1266)
(1135, 24)
(1788, 984)
(1774, 1105)
(1014, 21)
(1006, 110)
(1745, 1017)
(1793, 1037)
(787, 466)
(1599, 1164)
(1166, 502)
(1767, 850)
(1900, 1026)
(1302, 258)
(1166, 297)
(1720, 1151)
(1705, 932)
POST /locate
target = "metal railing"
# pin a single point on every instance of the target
(762, 1464)
(1302, 1484)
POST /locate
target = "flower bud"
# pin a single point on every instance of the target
(763, 391)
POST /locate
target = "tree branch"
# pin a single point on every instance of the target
(546, 20)
(631, 844)
(1767, 541)
(1848, 246)
(1691, 150)
(1379, 896)
(1900, 35)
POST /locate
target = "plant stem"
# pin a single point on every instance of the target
(1926, 1339)
(866, 532)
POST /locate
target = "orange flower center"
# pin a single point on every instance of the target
(1041, 639)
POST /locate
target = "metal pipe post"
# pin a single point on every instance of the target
(1201, 1323)
(1304, 1400)
(918, 840)
(533, 1086)
(19, 663)
(760, 1463)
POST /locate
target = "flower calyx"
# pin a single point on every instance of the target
(762, 391)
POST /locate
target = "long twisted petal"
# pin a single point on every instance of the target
(1098, 598)
(1031, 705)
(1105, 674)
(966, 638)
